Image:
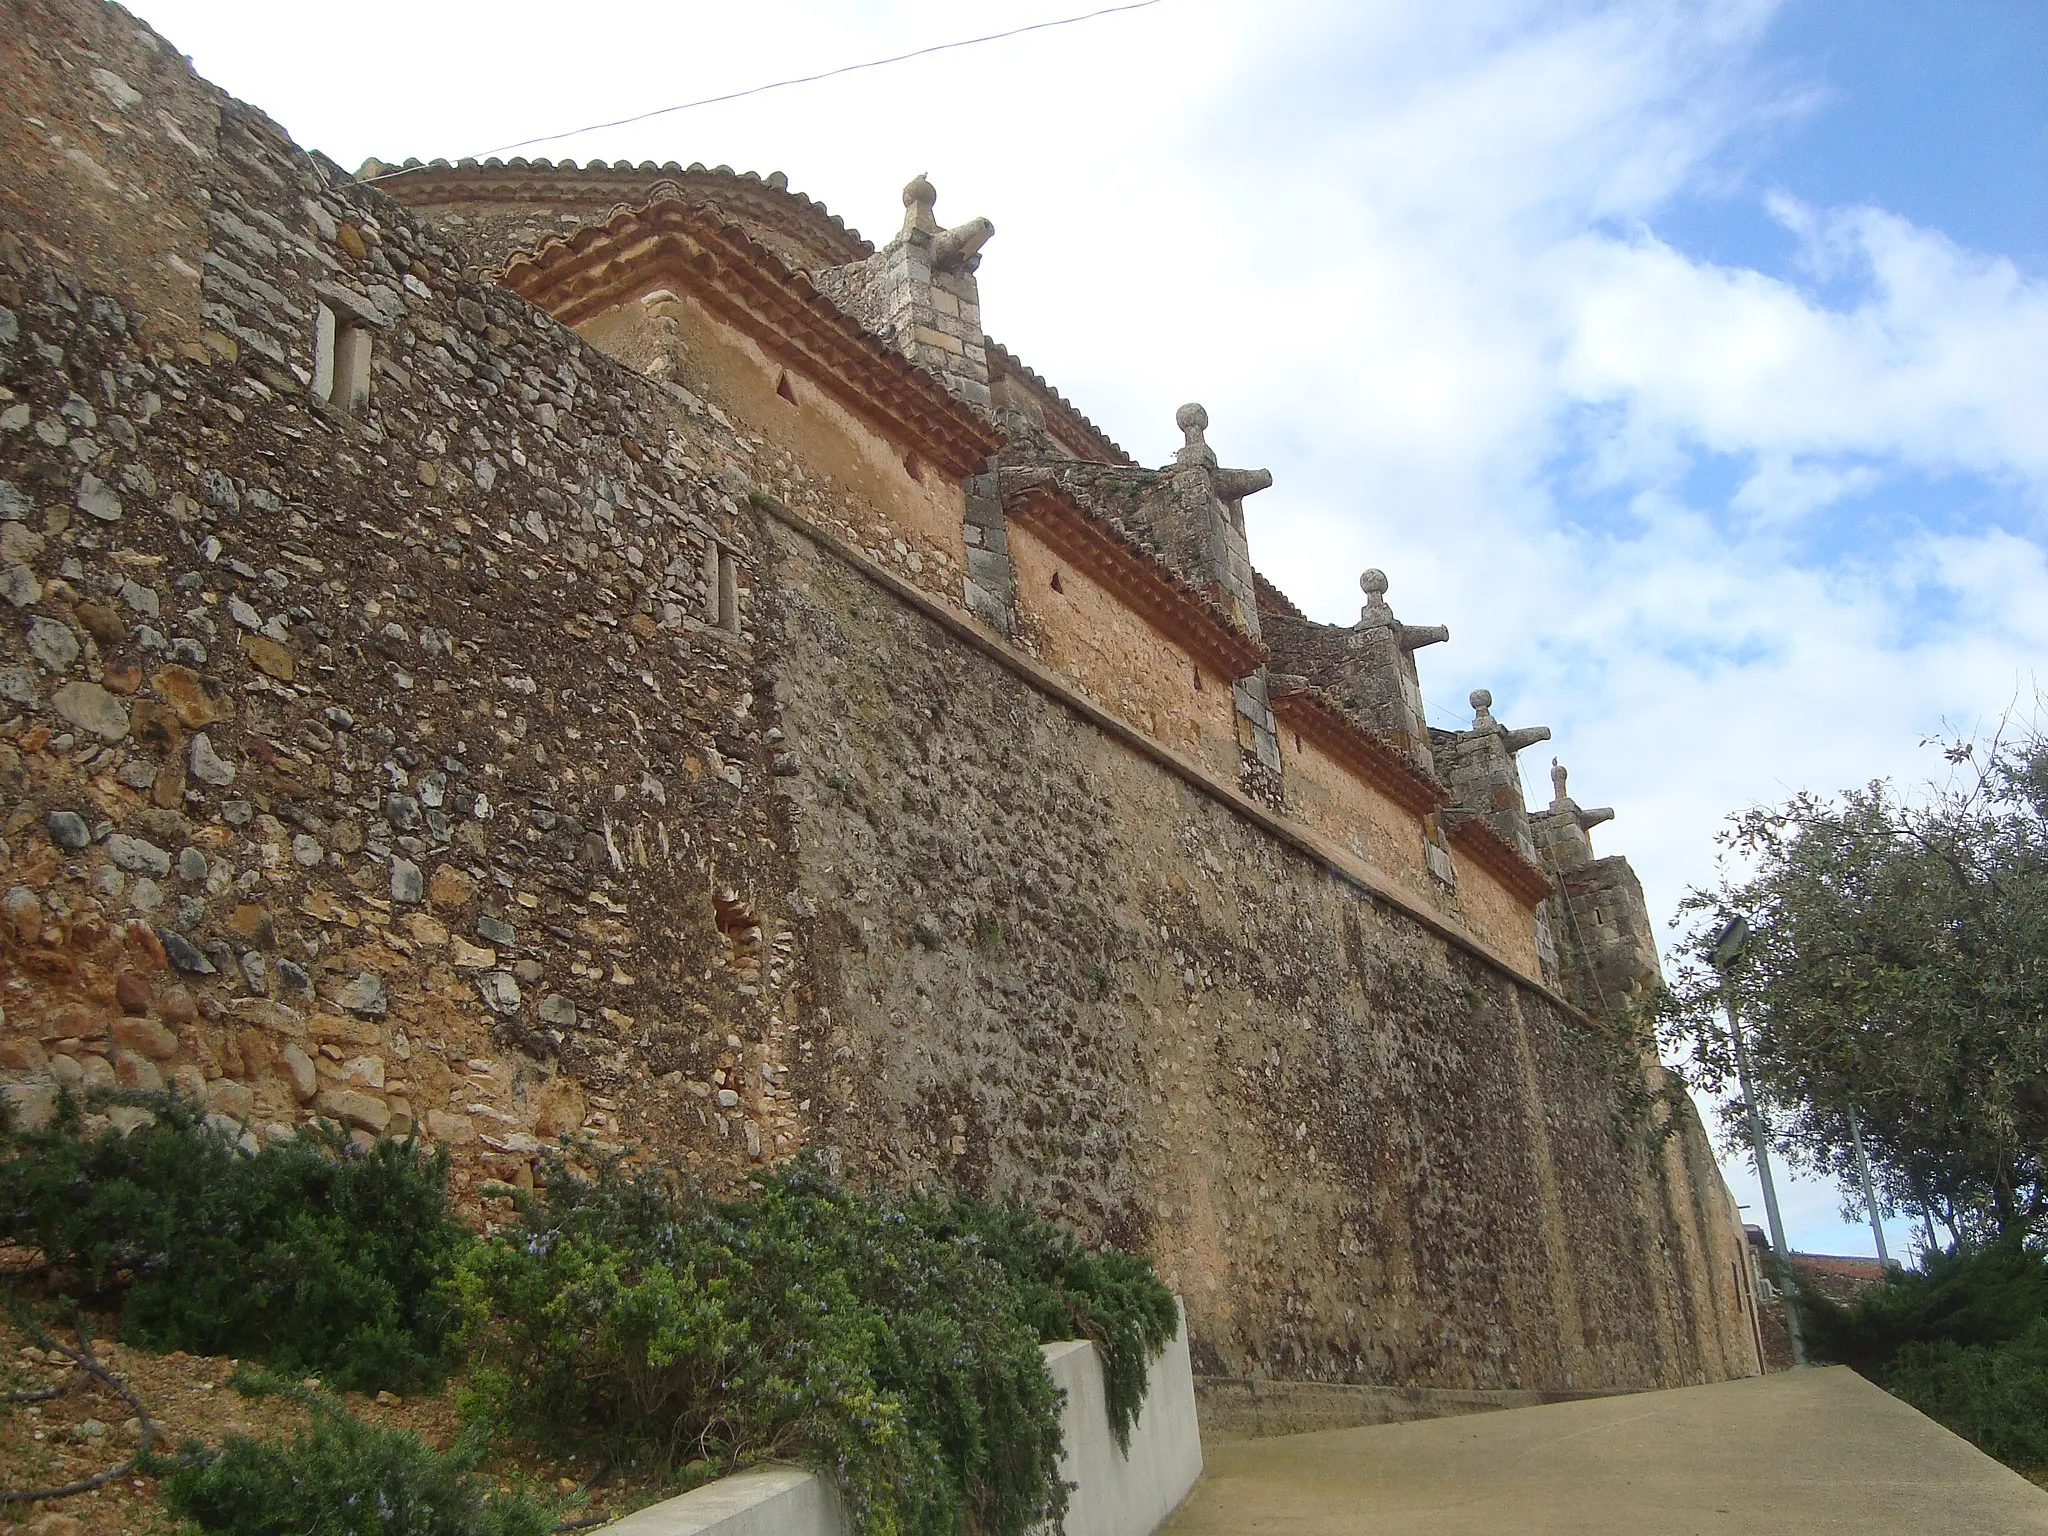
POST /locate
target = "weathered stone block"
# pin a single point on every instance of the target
(366, 1111)
(145, 1037)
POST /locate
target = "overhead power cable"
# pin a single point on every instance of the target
(776, 85)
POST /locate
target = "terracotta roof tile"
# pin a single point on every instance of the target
(1002, 361)
(767, 201)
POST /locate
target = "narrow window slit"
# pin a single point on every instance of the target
(721, 588)
(1056, 582)
(341, 362)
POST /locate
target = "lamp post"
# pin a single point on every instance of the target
(1727, 952)
(1884, 1259)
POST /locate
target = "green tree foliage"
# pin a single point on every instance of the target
(342, 1477)
(1965, 1342)
(308, 1254)
(892, 1343)
(1898, 966)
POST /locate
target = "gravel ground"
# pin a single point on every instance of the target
(87, 1428)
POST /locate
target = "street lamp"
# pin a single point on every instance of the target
(1728, 948)
(1884, 1258)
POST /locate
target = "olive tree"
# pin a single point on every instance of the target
(1897, 969)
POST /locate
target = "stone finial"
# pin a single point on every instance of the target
(1377, 614)
(1558, 798)
(920, 197)
(1482, 720)
(1193, 421)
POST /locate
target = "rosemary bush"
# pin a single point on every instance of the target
(307, 1254)
(891, 1343)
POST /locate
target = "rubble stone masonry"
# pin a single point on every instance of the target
(425, 714)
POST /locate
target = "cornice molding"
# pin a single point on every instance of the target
(1474, 837)
(697, 249)
(1136, 576)
(1321, 719)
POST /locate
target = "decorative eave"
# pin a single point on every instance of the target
(600, 187)
(1474, 837)
(1070, 423)
(696, 249)
(1333, 728)
(1109, 557)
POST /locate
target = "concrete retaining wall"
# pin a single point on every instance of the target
(1114, 1495)
(768, 1501)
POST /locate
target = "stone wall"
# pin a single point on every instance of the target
(1072, 623)
(397, 767)
(1054, 970)
(544, 746)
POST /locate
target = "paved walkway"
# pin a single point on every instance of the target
(1816, 1451)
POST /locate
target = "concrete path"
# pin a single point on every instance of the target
(1805, 1451)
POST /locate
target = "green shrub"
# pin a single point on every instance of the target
(1993, 1395)
(1973, 1296)
(1965, 1341)
(342, 1477)
(307, 1254)
(894, 1344)
(1065, 1292)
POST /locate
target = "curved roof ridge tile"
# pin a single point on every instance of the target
(1473, 834)
(838, 241)
(1223, 641)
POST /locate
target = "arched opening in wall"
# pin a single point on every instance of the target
(913, 466)
(740, 928)
(784, 389)
(1056, 582)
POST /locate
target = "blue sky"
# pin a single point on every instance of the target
(1938, 113)
(1688, 358)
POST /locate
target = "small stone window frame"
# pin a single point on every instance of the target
(1436, 857)
(342, 331)
(721, 587)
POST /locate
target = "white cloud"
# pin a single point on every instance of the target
(1781, 488)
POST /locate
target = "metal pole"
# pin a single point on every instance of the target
(1759, 1149)
(1884, 1259)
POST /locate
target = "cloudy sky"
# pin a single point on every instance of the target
(1690, 360)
